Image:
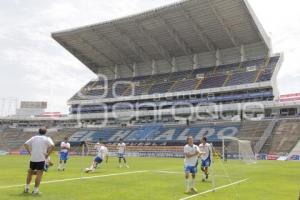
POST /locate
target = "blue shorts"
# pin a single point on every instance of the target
(121, 155)
(206, 162)
(98, 160)
(190, 169)
(64, 155)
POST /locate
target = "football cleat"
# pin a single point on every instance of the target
(36, 193)
(26, 190)
(194, 190)
(187, 192)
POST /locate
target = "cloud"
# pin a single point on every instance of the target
(34, 66)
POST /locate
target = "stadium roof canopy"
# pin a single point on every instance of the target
(181, 29)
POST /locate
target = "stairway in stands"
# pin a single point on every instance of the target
(250, 130)
(253, 130)
(284, 137)
(13, 138)
(59, 135)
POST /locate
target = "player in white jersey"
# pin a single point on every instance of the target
(39, 148)
(206, 157)
(102, 154)
(191, 152)
(121, 153)
(63, 154)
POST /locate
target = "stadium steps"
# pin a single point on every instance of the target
(3, 146)
(59, 135)
(189, 75)
(180, 75)
(267, 146)
(227, 79)
(285, 136)
(268, 59)
(215, 69)
(263, 139)
(148, 88)
(198, 85)
(250, 130)
(260, 72)
(126, 91)
(262, 69)
(173, 86)
(14, 139)
(295, 150)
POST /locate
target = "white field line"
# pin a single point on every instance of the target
(212, 190)
(181, 173)
(79, 178)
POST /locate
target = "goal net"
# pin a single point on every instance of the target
(90, 148)
(245, 151)
(233, 148)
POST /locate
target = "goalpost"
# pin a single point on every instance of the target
(90, 148)
(238, 149)
(241, 149)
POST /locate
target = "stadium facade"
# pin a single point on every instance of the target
(187, 54)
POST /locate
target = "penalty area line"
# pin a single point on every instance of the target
(212, 190)
(79, 178)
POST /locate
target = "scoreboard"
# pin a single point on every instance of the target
(34, 104)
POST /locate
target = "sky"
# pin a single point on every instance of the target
(34, 67)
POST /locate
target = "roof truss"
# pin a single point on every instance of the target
(83, 58)
(228, 31)
(179, 41)
(160, 49)
(117, 50)
(133, 46)
(93, 48)
(199, 31)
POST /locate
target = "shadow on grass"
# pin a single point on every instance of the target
(24, 195)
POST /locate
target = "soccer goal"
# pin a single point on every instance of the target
(234, 148)
(90, 149)
(87, 149)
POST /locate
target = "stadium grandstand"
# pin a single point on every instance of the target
(200, 68)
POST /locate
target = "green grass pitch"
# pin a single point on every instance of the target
(152, 178)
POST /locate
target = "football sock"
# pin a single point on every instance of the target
(35, 189)
(187, 184)
(192, 183)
